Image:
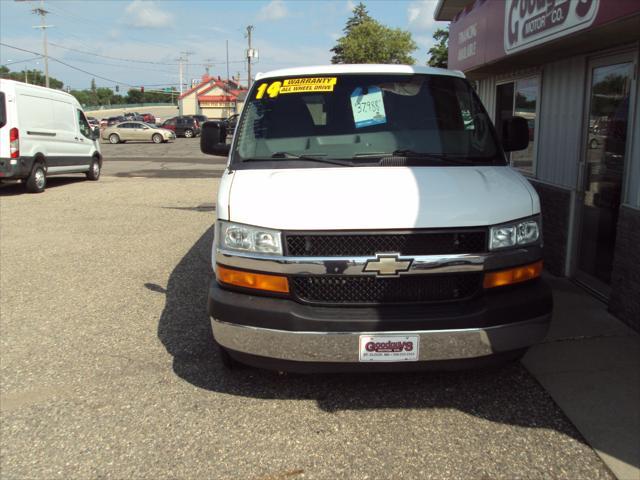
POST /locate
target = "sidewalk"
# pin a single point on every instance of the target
(590, 365)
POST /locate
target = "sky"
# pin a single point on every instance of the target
(144, 38)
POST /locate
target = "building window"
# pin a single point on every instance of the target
(519, 98)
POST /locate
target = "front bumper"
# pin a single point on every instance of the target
(342, 347)
(505, 320)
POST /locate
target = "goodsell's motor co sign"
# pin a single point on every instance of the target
(530, 22)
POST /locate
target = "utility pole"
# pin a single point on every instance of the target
(180, 60)
(227, 59)
(249, 55)
(43, 13)
(185, 57)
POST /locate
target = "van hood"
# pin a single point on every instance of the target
(360, 198)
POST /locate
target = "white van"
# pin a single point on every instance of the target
(44, 132)
(369, 219)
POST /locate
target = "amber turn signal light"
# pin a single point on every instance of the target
(512, 275)
(256, 281)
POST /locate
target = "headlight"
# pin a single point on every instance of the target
(246, 238)
(525, 232)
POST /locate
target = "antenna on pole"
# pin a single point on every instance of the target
(250, 54)
(208, 63)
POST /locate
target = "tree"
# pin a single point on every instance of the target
(438, 54)
(359, 16)
(371, 42)
(35, 77)
(366, 40)
(83, 96)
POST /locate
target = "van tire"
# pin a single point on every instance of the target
(114, 138)
(188, 133)
(37, 181)
(94, 170)
(157, 138)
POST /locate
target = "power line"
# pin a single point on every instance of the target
(108, 56)
(93, 54)
(21, 61)
(117, 82)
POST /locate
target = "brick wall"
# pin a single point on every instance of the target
(624, 302)
(555, 203)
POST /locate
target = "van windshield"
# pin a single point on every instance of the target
(363, 120)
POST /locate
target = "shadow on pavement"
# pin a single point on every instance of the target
(506, 394)
(10, 189)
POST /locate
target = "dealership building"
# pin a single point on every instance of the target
(570, 68)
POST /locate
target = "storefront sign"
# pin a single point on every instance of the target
(217, 104)
(467, 46)
(531, 22)
(489, 30)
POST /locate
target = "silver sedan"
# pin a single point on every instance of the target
(138, 131)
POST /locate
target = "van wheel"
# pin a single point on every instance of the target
(188, 133)
(114, 138)
(157, 138)
(94, 170)
(37, 181)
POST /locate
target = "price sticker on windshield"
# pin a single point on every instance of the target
(368, 108)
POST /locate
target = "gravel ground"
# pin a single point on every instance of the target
(108, 371)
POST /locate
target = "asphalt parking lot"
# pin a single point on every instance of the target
(108, 368)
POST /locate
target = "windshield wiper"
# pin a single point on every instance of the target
(311, 158)
(438, 157)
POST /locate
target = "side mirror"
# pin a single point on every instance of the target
(96, 133)
(515, 134)
(212, 141)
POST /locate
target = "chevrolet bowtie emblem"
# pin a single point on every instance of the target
(388, 265)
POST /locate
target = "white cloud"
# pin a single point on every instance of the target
(274, 10)
(350, 5)
(421, 13)
(146, 14)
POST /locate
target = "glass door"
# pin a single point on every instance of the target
(603, 169)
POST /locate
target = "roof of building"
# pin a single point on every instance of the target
(231, 88)
(362, 68)
(446, 10)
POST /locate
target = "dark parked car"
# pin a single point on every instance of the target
(200, 118)
(183, 126)
(114, 120)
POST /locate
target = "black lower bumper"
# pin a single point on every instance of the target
(496, 307)
(15, 168)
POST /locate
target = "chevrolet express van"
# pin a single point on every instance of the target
(44, 132)
(368, 218)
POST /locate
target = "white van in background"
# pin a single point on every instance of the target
(44, 132)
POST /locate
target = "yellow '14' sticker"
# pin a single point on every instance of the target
(297, 85)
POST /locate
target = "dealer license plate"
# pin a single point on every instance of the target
(389, 348)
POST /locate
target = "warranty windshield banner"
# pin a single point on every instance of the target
(299, 85)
